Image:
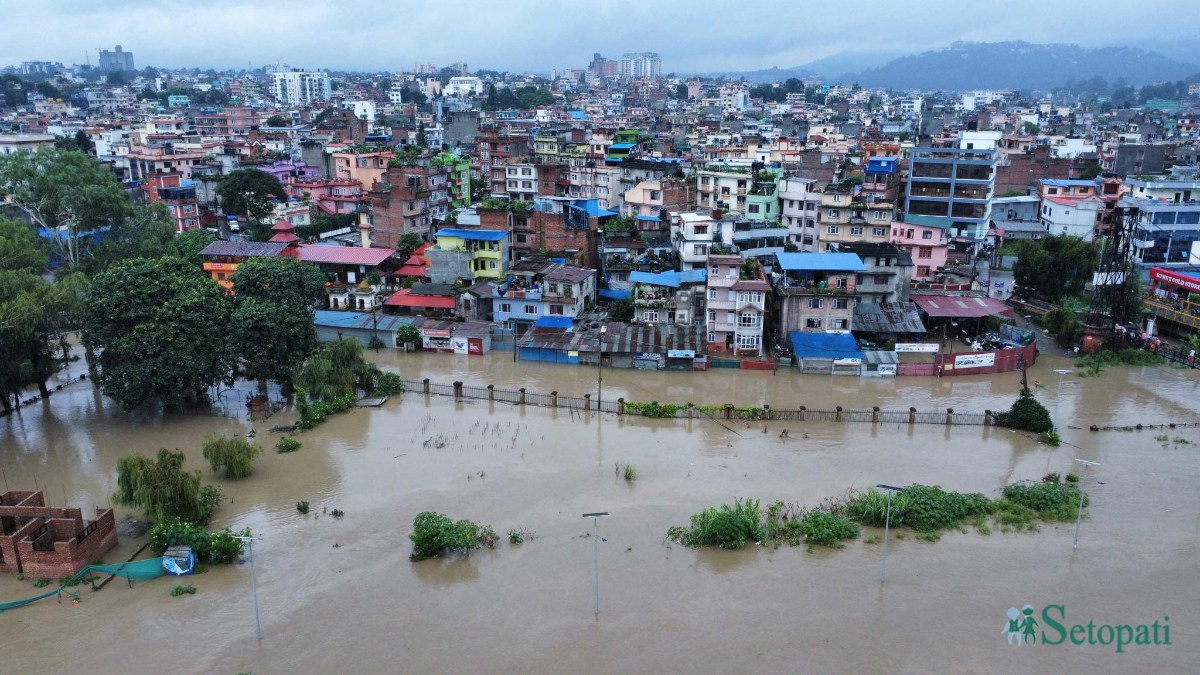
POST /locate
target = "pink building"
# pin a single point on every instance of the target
(928, 246)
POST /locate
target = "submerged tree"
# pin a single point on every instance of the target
(156, 332)
(337, 370)
(163, 489)
(272, 330)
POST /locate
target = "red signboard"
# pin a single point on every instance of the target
(435, 332)
(1181, 280)
(474, 345)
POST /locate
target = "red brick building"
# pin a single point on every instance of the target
(51, 542)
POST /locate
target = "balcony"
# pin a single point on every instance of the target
(1183, 313)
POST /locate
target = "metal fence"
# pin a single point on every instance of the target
(619, 406)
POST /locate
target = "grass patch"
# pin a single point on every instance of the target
(41, 582)
(732, 526)
(629, 471)
(302, 507)
(1094, 364)
(435, 534)
(183, 590)
(287, 444)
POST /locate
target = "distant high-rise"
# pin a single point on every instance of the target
(116, 60)
(641, 64)
(300, 87)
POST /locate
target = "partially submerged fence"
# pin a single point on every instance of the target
(620, 406)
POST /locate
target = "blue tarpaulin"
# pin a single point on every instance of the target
(553, 322)
(824, 345)
(613, 294)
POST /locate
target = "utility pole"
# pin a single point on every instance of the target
(249, 542)
(1082, 496)
(596, 516)
(887, 522)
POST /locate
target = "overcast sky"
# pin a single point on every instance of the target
(537, 35)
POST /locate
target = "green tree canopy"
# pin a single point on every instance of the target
(278, 121)
(146, 231)
(272, 330)
(189, 244)
(1055, 266)
(156, 331)
(65, 192)
(247, 192)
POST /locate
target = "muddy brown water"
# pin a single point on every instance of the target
(362, 606)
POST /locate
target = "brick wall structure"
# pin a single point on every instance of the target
(50, 542)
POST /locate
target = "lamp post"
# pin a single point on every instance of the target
(1058, 391)
(600, 367)
(887, 522)
(249, 542)
(596, 516)
(1082, 496)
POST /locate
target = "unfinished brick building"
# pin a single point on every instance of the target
(47, 541)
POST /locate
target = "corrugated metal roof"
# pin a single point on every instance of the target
(246, 249)
(960, 306)
(345, 255)
(476, 235)
(361, 320)
(404, 298)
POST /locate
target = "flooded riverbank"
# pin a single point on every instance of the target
(361, 605)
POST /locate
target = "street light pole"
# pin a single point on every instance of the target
(249, 542)
(887, 522)
(596, 516)
(1082, 496)
(1058, 392)
(600, 367)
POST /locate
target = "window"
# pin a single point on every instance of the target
(1052, 191)
(700, 229)
(749, 297)
(556, 309)
(879, 232)
(506, 307)
(650, 315)
(856, 231)
(812, 323)
(754, 208)
(748, 320)
(520, 239)
(815, 303)
(833, 213)
(553, 288)
(925, 252)
(531, 309)
(527, 184)
(881, 279)
(712, 294)
(700, 249)
(712, 337)
(923, 271)
(832, 229)
(712, 315)
(841, 303)
(840, 324)
(748, 341)
(715, 271)
(927, 234)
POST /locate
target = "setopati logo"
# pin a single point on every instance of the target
(1025, 628)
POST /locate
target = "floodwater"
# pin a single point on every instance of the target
(341, 595)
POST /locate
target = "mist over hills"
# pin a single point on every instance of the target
(988, 65)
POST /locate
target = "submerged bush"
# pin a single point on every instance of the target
(287, 444)
(1026, 414)
(1050, 501)
(218, 547)
(233, 455)
(436, 534)
(726, 527)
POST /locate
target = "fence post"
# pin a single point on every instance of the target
(803, 410)
(554, 399)
(875, 414)
(491, 392)
(587, 401)
(425, 385)
(522, 390)
(458, 392)
(728, 411)
(689, 410)
(621, 406)
(987, 418)
(912, 415)
(766, 411)
(949, 416)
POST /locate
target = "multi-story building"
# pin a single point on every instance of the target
(231, 122)
(463, 87)
(927, 245)
(1070, 207)
(1165, 214)
(723, 187)
(467, 254)
(526, 181)
(736, 305)
(648, 199)
(563, 290)
(668, 297)
(845, 217)
(640, 64)
(798, 200)
(458, 181)
(692, 235)
(161, 158)
(300, 87)
(815, 292)
(117, 59)
(562, 226)
(177, 194)
(952, 188)
(888, 276)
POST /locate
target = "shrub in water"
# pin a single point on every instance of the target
(1050, 501)
(163, 489)
(302, 506)
(287, 444)
(216, 547)
(726, 527)
(183, 590)
(233, 455)
(1026, 414)
(436, 534)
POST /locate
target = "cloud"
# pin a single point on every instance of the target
(539, 35)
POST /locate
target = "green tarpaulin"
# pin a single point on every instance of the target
(138, 570)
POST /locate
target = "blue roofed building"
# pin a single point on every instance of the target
(952, 187)
(558, 291)
(815, 292)
(467, 254)
(828, 353)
